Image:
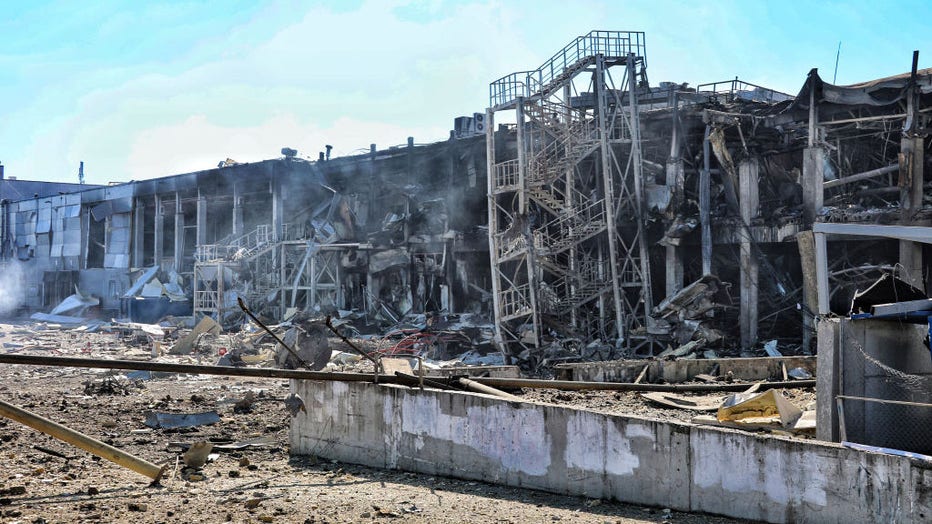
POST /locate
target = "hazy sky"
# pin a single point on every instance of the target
(141, 89)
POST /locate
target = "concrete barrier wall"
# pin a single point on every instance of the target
(569, 451)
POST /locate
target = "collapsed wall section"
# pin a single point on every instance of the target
(569, 451)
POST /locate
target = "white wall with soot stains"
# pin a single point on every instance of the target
(570, 451)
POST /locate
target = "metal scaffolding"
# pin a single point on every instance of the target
(566, 236)
(284, 273)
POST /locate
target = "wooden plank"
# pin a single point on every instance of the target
(642, 374)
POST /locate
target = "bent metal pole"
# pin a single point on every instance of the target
(81, 440)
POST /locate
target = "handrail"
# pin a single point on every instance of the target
(731, 87)
(611, 44)
(245, 244)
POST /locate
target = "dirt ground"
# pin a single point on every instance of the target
(45, 480)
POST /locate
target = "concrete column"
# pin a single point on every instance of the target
(807, 257)
(912, 178)
(179, 233)
(374, 288)
(201, 218)
(674, 254)
(828, 375)
(705, 213)
(237, 211)
(813, 178)
(749, 205)
(275, 189)
(139, 229)
(159, 232)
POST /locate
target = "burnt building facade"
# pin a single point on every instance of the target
(584, 209)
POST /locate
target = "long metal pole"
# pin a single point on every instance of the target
(368, 377)
(192, 368)
(705, 187)
(491, 185)
(635, 122)
(608, 182)
(242, 305)
(81, 440)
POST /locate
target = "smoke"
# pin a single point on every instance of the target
(12, 287)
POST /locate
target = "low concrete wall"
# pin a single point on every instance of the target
(569, 451)
(682, 370)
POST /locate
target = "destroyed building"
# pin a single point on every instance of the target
(587, 216)
(617, 218)
(390, 232)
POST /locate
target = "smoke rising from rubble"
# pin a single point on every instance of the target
(12, 287)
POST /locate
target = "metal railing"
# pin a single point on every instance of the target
(245, 245)
(567, 230)
(589, 279)
(611, 44)
(515, 301)
(733, 89)
(506, 173)
(510, 247)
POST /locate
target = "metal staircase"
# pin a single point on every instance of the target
(564, 65)
(256, 252)
(555, 211)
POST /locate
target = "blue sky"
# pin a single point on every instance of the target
(143, 89)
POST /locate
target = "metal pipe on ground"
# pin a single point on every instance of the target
(82, 441)
(568, 385)
(488, 390)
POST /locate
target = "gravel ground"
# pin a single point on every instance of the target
(259, 483)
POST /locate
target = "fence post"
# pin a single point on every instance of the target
(842, 434)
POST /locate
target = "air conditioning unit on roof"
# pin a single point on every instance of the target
(479, 119)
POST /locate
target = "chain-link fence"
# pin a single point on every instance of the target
(896, 424)
(886, 403)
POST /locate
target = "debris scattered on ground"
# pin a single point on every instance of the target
(196, 455)
(680, 402)
(206, 327)
(109, 385)
(295, 404)
(180, 420)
